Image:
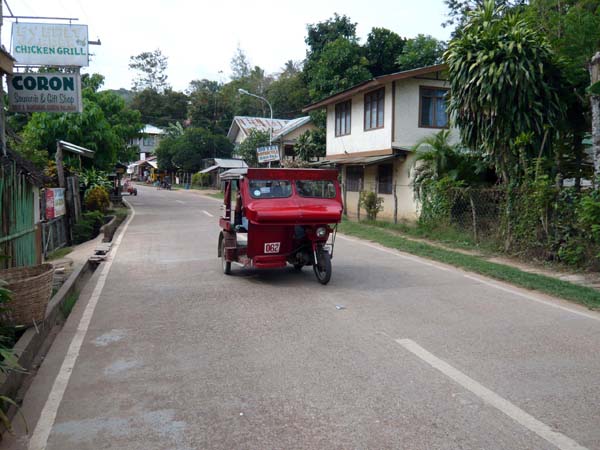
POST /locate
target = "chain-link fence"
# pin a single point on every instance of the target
(397, 201)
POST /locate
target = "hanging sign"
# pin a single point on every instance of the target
(49, 92)
(55, 203)
(50, 44)
(268, 153)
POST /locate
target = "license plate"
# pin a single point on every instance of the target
(272, 247)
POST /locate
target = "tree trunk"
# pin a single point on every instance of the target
(595, 102)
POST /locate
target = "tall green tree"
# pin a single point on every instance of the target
(459, 10)
(340, 65)
(288, 94)
(161, 108)
(334, 58)
(382, 49)
(151, 68)
(187, 151)
(504, 88)
(240, 66)
(421, 51)
(106, 125)
(247, 149)
(208, 107)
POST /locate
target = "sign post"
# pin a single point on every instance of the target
(48, 92)
(267, 154)
(50, 44)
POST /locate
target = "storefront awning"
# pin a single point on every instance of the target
(357, 161)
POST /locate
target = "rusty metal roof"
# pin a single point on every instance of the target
(245, 124)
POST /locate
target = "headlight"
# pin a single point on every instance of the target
(321, 232)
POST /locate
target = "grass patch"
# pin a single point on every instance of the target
(59, 253)
(218, 195)
(68, 304)
(121, 213)
(448, 235)
(552, 286)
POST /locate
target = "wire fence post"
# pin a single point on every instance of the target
(395, 203)
(344, 191)
(473, 215)
(360, 188)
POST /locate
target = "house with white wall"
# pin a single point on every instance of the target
(148, 140)
(372, 129)
(285, 131)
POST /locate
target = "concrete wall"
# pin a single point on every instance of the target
(360, 140)
(407, 207)
(407, 131)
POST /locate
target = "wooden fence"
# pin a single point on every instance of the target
(18, 232)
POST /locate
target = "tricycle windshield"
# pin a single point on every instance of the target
(316, 188)
(270, 188)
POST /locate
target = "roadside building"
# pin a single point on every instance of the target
(216, 166)
(148, 141)
(285, 131)
(372, 129)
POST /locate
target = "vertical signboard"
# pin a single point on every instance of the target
(55, 203)
(50, 44)
(49, 92)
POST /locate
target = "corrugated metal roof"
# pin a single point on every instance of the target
(245, 124)
(291, 126)
(151, 129)
(230, 163)
(357, 160)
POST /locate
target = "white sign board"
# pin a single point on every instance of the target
(49, 92)
(268, 153)
(50, 44)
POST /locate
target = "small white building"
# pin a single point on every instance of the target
(373, 127)
(148, 141)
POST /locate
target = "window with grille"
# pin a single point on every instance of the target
(385, 178)
(354, 178)
(374, 107)
(343, 118)
(433, 108)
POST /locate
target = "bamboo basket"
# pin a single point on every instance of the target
(31, 287)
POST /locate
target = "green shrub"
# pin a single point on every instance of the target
(88, 227)
(371, 203)
(200, 179)
(96, 199)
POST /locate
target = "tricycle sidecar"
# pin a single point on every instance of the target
(275, 217)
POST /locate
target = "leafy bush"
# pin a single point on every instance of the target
(371, 203)
(96, 199)
(8, 358)
(200, 179)
(92, 178)
(88, 227)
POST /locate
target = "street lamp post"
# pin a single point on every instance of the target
(244, 91)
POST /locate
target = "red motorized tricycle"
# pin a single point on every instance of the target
(280, 216)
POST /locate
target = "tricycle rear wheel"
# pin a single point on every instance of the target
(322, 266)
(226, 264)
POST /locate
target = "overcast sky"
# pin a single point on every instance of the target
(200, 37)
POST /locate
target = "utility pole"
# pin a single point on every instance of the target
(2, 118)
(595, 101)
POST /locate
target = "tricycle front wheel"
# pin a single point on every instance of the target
(322, 266)
(226, 264)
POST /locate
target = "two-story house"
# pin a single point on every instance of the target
(148, 141)
(373, 127)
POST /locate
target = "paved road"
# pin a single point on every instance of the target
(178, 356)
